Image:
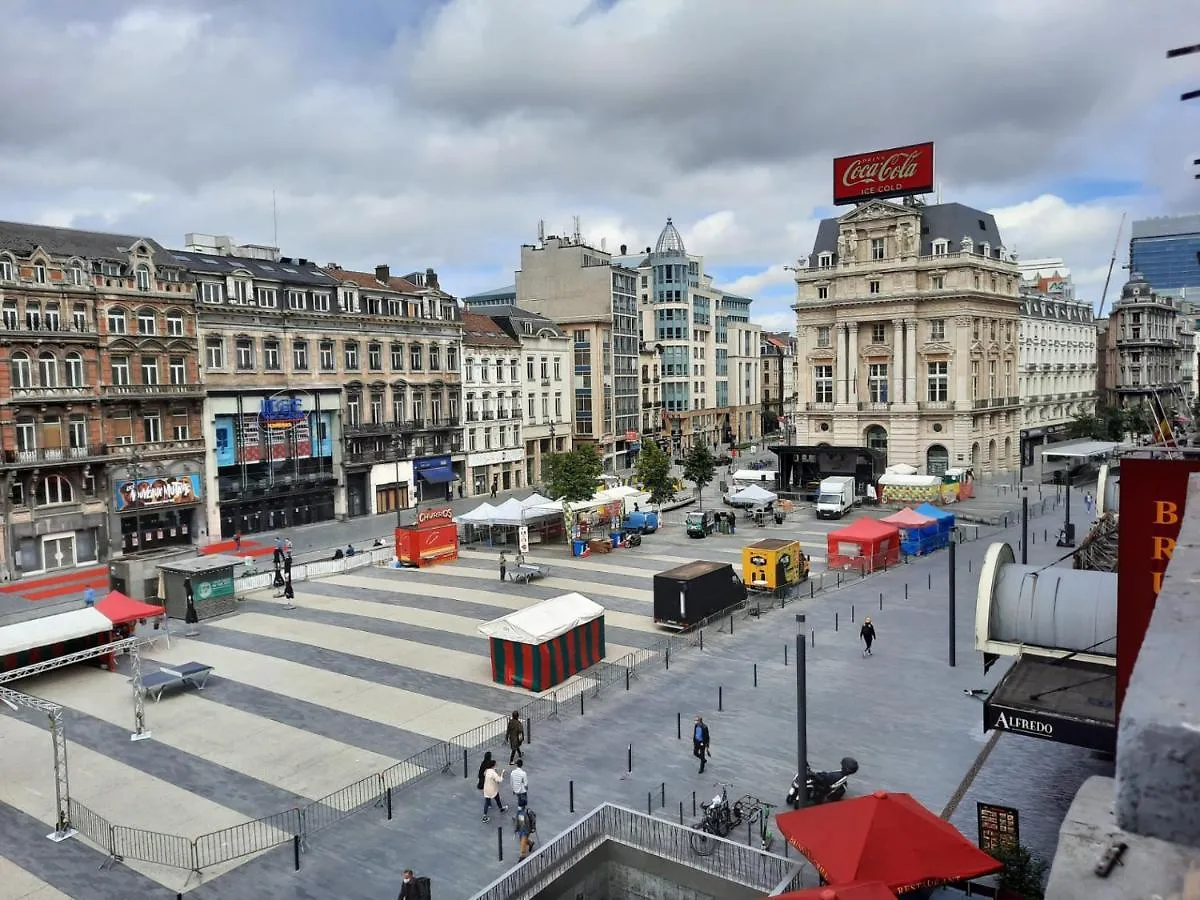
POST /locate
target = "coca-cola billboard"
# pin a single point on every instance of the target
(883, 173)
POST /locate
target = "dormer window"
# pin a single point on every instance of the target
(143, 278)
(240, 291)
(74, 274)
(941, 247)
(6, 270)
(39, 273)
(825, 260)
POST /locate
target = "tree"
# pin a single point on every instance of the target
(571, 476)
(1023, 874)
(654, 472)
(698, 468)
(1085, 425)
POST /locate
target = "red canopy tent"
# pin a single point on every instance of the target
(860, 890)
(907, 518)
(883, 837)
(866, 544)
(122, 610)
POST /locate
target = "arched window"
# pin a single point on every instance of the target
(75, 274)
(55, 489)
(48, 369)
(74, 370)
(22, 370)
(116, 320)
(146, 321)
(877, 438)
(937, 460)
(142, 274)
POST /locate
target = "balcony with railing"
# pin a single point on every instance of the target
(130, 391)
(819, 406)
(35, 331)
(874, 406)
(52, 394)
(938, 405)
(144, 449)
(41, 456)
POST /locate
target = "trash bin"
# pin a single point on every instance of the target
(616, 539)
(578, 547)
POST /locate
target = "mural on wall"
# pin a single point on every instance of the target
(281, 430)
(147, 493)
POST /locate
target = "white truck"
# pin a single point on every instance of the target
(835, 497)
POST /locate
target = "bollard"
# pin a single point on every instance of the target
(1033, 538)
(693, 803)
(813, 635)
(296, 850)
(528, 730)
(749, 833)
(667, 656)
(839, 579)
(500, 843)
(968, 565)
(731, 623)
(680, 812)
(571, 794)
(1006, 520)
(905, 593)
(649, 803)
(811, 589)
(929, 582)
(851, 612)
(627, 678)
(581, 703)
(701, 638)
(835, 621)
(465, 769)
(389, 803)
(679, 726)
(631, 759)
(1044, 538)
(756, 674)
(664, 795)
(720, 698)
(881, 602)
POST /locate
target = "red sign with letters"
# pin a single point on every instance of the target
(1153, 494)
(883, 173)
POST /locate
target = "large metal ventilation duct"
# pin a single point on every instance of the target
(1045, 611)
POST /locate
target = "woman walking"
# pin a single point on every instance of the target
(492, 780)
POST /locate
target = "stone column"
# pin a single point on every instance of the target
(899, 361)
(841, 353)
(852, 363)
(911, 381)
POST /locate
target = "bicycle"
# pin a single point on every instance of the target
(720, 818)
(760, 813)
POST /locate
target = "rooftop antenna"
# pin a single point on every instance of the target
(274, 221)
(575, 219)
(541, 230)
(1111, 263)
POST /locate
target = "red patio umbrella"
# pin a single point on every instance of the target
(860, 890)
(883, 837)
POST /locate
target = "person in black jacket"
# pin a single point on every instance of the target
(483, 767)
(700, 742)
(412, 888)
(867, 633)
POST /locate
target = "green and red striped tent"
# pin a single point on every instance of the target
(545, 644)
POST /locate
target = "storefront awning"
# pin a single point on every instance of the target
(437, 474)
(1061, 700)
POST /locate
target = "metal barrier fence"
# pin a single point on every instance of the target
(323, 568)
(723, 858)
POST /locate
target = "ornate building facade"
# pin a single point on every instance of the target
(907, 321)
(493, 403)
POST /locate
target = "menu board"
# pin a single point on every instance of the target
(999, 826)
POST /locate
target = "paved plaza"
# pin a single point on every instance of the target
(373, 666)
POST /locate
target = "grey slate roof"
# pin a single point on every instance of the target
(493, 294)
(22, 239)
(509, 318)
(286, 270)
(948, 221)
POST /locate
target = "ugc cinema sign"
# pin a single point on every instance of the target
(1153, 496)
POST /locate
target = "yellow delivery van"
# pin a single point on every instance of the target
(773, 563)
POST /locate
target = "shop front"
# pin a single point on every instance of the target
(499, 470)
(157, 512)
(435, 478)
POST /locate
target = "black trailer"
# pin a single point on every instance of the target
(685, 596)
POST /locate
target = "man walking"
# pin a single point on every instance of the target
(867, 633)
(503, 565)
(514, 736)
(412, 888)
(700, 742)
(519, 781)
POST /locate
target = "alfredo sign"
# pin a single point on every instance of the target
(883, 173)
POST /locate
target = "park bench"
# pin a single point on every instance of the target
(191, 673)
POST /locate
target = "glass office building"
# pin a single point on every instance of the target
(1166, 251)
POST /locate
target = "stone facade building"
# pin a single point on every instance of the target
(99, 399)
(778, 351)
(907, 322)
(1146, 350)
(492, 387)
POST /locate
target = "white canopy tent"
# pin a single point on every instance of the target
(535, 499)
(753, 476)
(480, 515)
(55, 629)
(543, 621)
(753, 494)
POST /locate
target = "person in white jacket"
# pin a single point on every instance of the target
(492, 780)
(520, 784)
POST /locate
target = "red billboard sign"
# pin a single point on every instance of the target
(883, 173)
(1153, 494)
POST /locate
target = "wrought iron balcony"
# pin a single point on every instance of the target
(42, 456)
(127, 391)
(155, 448)
(819, 406)
(66, 331)
(58, 393)
(874, 406)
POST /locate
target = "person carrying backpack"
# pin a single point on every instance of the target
(412, 888)
(526, 827)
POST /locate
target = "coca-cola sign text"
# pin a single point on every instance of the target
(883, 173)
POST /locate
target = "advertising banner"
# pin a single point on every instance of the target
(883, 173)
(148, 493)
(1153, 494)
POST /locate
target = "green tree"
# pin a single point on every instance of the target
(1086, 425)
(571, 476)
(698, 468)
(1024, 873)
(654, 472)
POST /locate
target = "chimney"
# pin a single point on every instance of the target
(382, 273)
(431, 280)
(624, 250)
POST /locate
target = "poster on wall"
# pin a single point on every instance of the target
(149, 493)
(523, 538)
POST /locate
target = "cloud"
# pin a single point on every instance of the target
(441, 133)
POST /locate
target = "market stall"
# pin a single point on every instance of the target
(49, 637)
(866, 545)
(596, 519)
(433, 538)
(895, 487)
(919, 534)
(772, 563)
(945, 520)
(545, 644)
(128, 616)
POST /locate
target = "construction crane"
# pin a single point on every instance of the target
(1112, 262)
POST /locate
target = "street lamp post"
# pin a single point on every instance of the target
(1067, 539)
(801, 713)
(1024, 524)
(397, 443)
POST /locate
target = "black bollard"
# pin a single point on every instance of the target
(649, 803)
(811, 589)
(785, 654)
(905, 593)
(528, 730)
(851, 612)
(667, 656)
(881, 602)
(929, 582)
(756, 674)
(389, 804)
(630, 759)
(296, 851)
(679, 726)
(720, 698)
(680, 812)
(500, 843)
(571, 794)
(693, 803)
(1044, 538)
(749, 833)
(701, 638)
(813, 635)
(835, 621)
(731, 623)
(839, 579)
(664, 795)
(581, 703)
(968, 565)
(465, 769)
(627, 678)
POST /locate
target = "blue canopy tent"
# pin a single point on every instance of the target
(919, 534)
(945, 521)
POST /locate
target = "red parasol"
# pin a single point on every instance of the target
(860, 890)
(883, 837)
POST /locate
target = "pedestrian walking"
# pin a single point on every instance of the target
(278, 582)
(495, 487)
(867, 633)
(700, 739)
(288, 593)
(525, 823)
(460, 491)
(492, 780)
(1089, 502)
(518, 780)
(89, 596)
(287, 566)
(237, 542)
(277, 554)
(483, 767)
(413, 888)
(514, 736)
(287, 547)
(503, 565)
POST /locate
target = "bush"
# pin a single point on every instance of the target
(1024, 873)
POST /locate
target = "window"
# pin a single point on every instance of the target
(39, 273)
(33, 316)
(175, 324)
(974, 378)
(177, 369)
(397, 354)
(271, 355)
(376, 409)
(145, 321)
(116, 320)
(214, 353)
(873, 286)
(451, 359)
(991, 378)
(823, 336)
(558, 406)
(823, 292)
(415, 357)
(245, 354)
(435, 358)
(295, 299)
(152, 428)
(512, 371)
(149, 370)
(877, 382)
(142, 275)
(937, 329)
(825, 260)
(300, 356)
(325, 351)
(266, 297)
(241, 291)
(211, 291)
(10, 315)
(941, 247)
(530, 407)
(181, 432)
(320, 301)
(876, 248)
(74, 370)
(529, 368)
(119, 367)
(48, 370)
(939, 382)
(351, 353)
(937, 282)
(77, 432)
(557, 369)
(878, 333)
(53, 323)
(823, 384)
(877, 438)
(375, 357)
(55, 489)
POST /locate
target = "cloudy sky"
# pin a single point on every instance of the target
(423, 133)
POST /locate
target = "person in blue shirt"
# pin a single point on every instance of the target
(89, 596)
(700, 742)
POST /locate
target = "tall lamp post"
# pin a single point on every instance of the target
(801, 712)
(397, 446)
(1067, 538)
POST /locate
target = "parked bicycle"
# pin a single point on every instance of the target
(720, 818)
